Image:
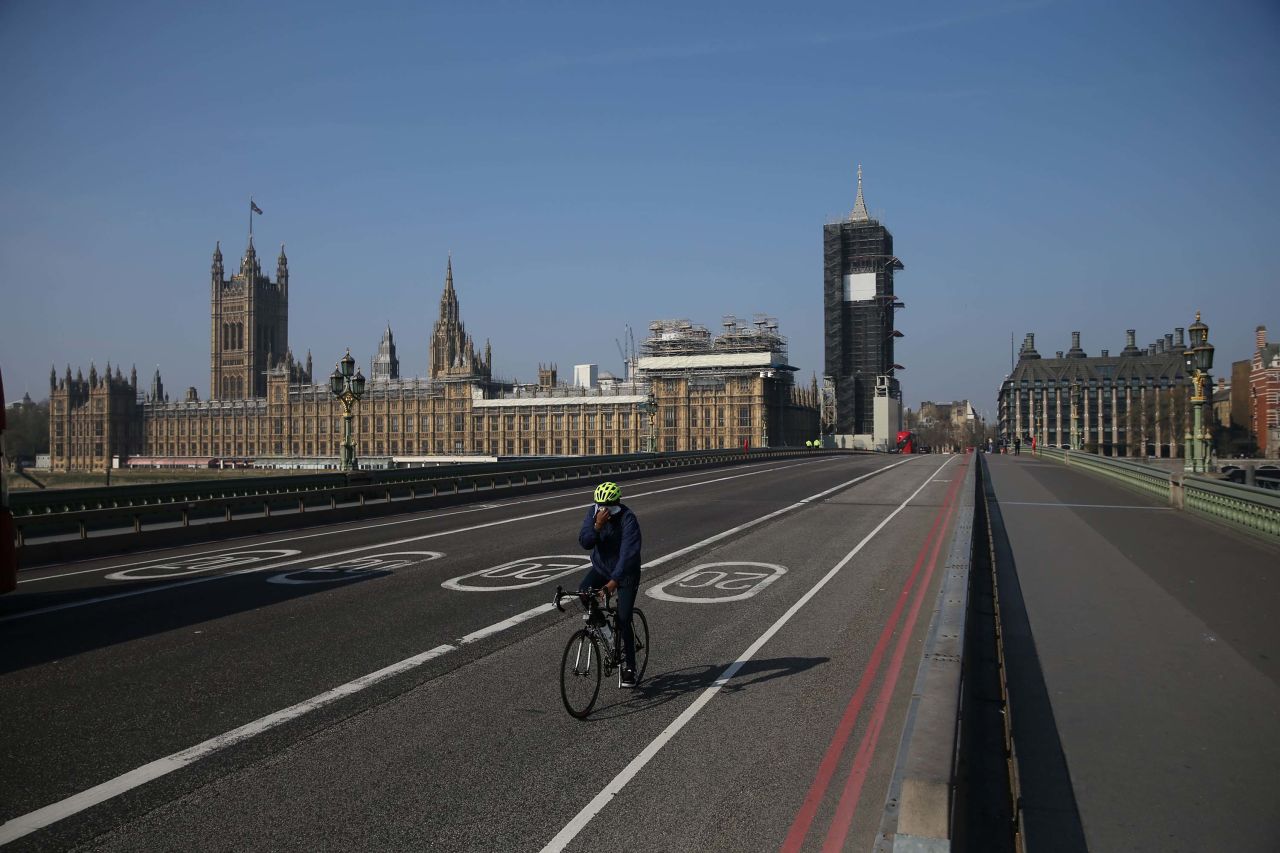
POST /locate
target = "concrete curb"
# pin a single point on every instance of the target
(918, 809)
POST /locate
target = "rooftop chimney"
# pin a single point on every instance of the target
(1075, 351)
(1181, 344)
(1059, 355)
(1168, 342)
(1106, 353)
(1131, 343)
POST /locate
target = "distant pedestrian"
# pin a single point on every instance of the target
(1017, 447)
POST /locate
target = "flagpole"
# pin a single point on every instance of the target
(251, 217)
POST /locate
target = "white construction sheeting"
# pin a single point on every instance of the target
(859, 286)
(754, 360)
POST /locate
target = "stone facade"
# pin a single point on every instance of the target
(249, 332)
(1264, 395)
(459, 410)
(1133, 404)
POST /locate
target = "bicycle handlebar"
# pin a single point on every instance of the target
(592, 593)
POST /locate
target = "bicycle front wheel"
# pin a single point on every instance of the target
(580, 674)
(640, 633)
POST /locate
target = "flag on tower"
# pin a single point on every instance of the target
(254, 207)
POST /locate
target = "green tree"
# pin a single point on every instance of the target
(26, 431)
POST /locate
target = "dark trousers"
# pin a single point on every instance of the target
(627, 589)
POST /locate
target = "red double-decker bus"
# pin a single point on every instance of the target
(906, 441)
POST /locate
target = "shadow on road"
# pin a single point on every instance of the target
(1050, 816)
(660, 689)
(41, 637)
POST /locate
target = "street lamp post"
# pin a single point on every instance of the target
(1199, 359)
(347, 384)
(649, 408)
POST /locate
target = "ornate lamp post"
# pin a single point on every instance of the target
(649, 410)
(1199, 360)
(347, 384)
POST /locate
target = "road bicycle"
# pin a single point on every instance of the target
(595, 650)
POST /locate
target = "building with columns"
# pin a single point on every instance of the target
(265, 409)
(1133, 403)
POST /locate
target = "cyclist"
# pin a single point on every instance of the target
(612, 534)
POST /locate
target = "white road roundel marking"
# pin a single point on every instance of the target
(183, 566)
(368, 565)
(717, 583)
(520, 574)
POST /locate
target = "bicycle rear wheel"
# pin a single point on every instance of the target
(640, 634)
(580, 674)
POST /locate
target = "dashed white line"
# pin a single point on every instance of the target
(637, 764)
(417, 517)
(54, 608)
(25, 824)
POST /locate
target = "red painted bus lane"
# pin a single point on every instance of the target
(809, 808)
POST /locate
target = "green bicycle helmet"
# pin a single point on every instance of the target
(607, 493)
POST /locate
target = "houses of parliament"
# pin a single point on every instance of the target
(689, 389)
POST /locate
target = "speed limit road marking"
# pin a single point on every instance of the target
(717, 583)
(184, 566)
(355, 568)
(519, 574)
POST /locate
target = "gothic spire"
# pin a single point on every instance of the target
(53, 377)
(448, 274)
(860, 205)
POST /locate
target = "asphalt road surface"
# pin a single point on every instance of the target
(395, 684)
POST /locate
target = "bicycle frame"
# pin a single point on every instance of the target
(594, 606)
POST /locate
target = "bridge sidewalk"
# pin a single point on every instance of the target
(1144, 656)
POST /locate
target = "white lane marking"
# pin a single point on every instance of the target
(738, 583)
(183, 566)
(530, 570)
(416, 517)
(611, 790)
(357, 567)
(498, 627)
(1082, 506)
(40, 818)
(53, 608)
(32, 821)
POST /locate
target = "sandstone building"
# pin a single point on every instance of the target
(690, 390)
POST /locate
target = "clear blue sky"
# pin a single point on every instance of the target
(1043, 167)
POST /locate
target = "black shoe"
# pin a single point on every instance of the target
(628, 679)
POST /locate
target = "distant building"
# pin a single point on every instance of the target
(1264, 394)
(250, 333)
(1222, 403)
(726, 390)
(736, 389)
(862, 405)
(1131, 404)
(586, 375)
(385, 366)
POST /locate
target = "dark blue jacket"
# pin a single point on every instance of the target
(615, 549)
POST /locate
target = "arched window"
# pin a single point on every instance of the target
(239, 335)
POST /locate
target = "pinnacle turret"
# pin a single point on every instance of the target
(860, 205)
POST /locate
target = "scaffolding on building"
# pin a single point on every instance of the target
(682, 338)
